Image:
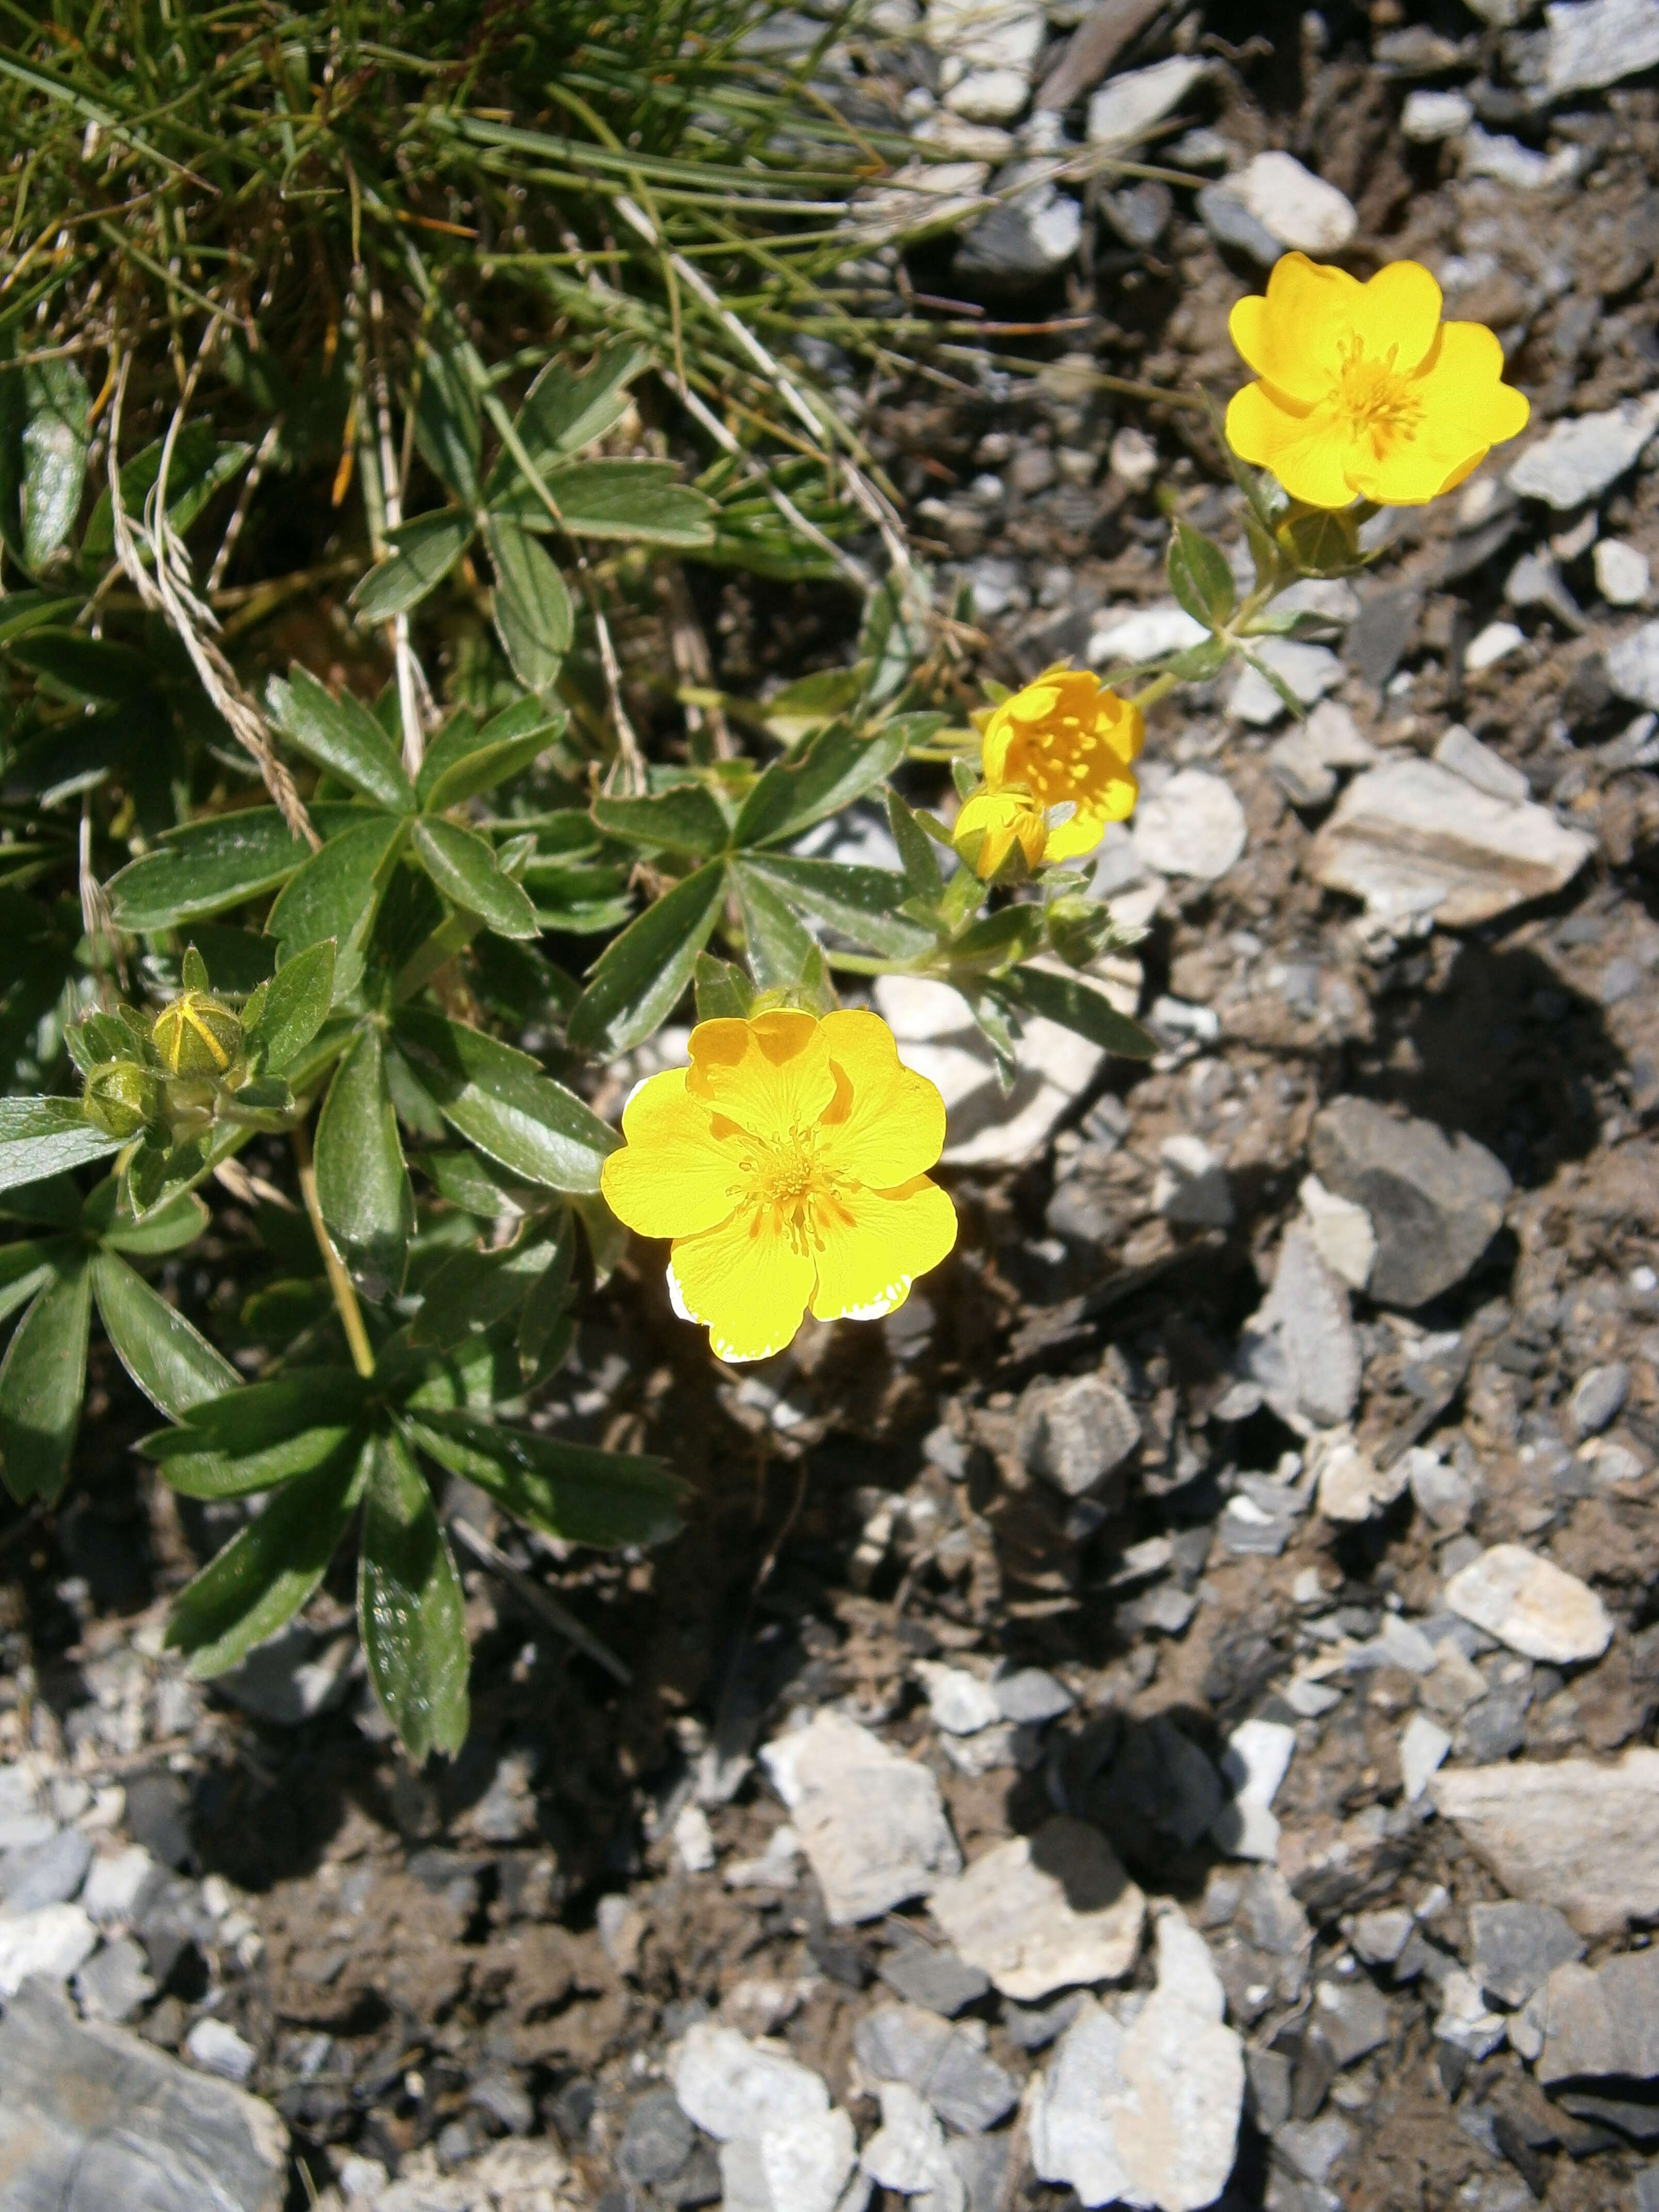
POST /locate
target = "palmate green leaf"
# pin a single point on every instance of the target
(362, 1183)
(251, 1416)
(466, 1179)
(296, 1006)
(43, 1381)
(1200, 576)
(574, 1490)
(474, 1291)
(563, 413)
(724, 992)
(209, 866)
(196, 1474)
(642, 501)
(342, 736)
(1076, 1005)
(42, 1137)
(836, 768)
(336, 893)
(26, 1266)
(464, 760)
(410, 1606)
(171, 1363)
(178, 1222)
(686, 819)
(463, 865)
(531, 607)
(56, 434)
(545, 1329)
(447, 425)
(639, 978)
(500, 1100)
(858, 902)
(268, 1571)
(782, 952)
(87, 669)
(422, 553)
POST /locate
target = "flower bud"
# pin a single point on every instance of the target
(123, 1098)
(198, 1034)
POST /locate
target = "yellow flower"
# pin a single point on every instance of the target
(1063, 742)
(1364, 392)
(787, 1163)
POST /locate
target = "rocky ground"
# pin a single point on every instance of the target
(1167, 1718)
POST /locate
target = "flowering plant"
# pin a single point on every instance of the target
(355, 976)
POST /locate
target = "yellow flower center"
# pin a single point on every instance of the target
(787, 1184)
(1376, 401)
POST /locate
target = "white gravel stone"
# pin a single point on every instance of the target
(1135, 458)
(1463, 752)
(1574, 1833)
(1118, 639)
(959, 1701)
(732, 2087)
(908, 2152)
(117, 1889)
(1342, 1231)
(986, 1125)
(1623, 576)
(1147, 2114)
(1492, 644)
(1428, 117)
(987, 35)
(1298, 209)
(1465, 2021)
(1192, 1187)
(1126, 108)
(1494, 154)
(1531, 1605)
(49, 1942)
(1633, 665)
(1256, 1758)
(694, 1840)
(1423, 1746)
(870, 1822)
(802, 2163)
(1411, 839)
(1581, 457)
(1301, 1345)
(1194, 826)
(990, 95)
(1045, 1912)
(1352, 1487)
(217, 2049)
(1596, 42)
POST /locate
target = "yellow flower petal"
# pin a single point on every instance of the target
(877, 1245)
(1301, 448)
(1397, 313)
(748, 1286)
(770, 1074)
(1291, 338)
(1000, 820)
(672, 1178)
(887, 1123)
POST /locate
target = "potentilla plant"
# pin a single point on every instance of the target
(358, 976)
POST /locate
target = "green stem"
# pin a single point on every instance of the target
(861, 964)
(345, 1296)
(1159, 688)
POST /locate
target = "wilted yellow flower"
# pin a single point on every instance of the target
(1064, 742)
(787, 1163)
(1364, 393)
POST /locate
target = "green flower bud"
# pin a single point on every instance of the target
(123, 1098)
(198, 1034)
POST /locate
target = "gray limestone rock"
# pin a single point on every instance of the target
(92, 2119)
(1596, 42)
(872, 1823)
(1602, 2022)
(1076, 1433)
(1579, 459)
(1576, 1834)
(1302, 1346)
(1597, 1399)
(945, 2065)
(1531, 1605)
(1514, 1948)
(1047, 1911)
(1352, 2016)
(51, 1873)
(115, 1982)
(1435, 1202)
(934, 1977)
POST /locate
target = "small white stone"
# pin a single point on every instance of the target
(1045, 1912)
(1531, 1605)
(116, 1887)
(1430, 116)
(990, 95)
(1464, 2018)
(1298, 209)
(1463, 752)
(801, 2164)
(872, 1823)
(1310, 671)
(1350, 1488)
(1127, 639)
(1596, 42)
(1192, 1187)
(732, 2087)
(50, 1942)
(1423, 1744)
(217, 2049)
(362, 2180)
(907, 2152)
(1622, 574)
(1492, 644)
(1580, 458)
(1134, 458)
(987, 34)
(1194, 826)
(1342, 1232)
(1125, 109)
(694, 1840)
(1257, 1755)
(777, 1867)
(1496, 154)
(959, 1701)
